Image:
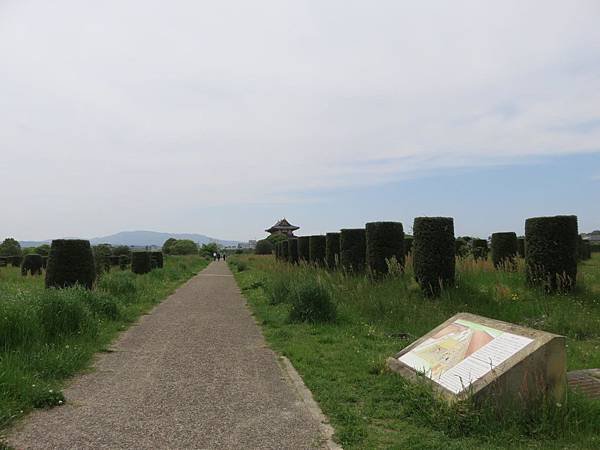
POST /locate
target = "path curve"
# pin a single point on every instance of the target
(195, 373)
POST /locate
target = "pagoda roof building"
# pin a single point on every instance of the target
(283, 227)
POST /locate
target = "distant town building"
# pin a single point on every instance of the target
(249, 245)
(283, 227)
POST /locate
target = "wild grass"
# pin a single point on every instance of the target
(47, 335)
(343, 363)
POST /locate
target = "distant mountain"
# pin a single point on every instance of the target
(142, 238)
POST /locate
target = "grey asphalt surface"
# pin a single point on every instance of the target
(195, 373)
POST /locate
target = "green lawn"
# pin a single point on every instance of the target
(343, 363)
(46, 336)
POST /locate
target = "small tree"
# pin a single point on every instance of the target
(43, 250)
(264, 247)
(10, 247)
(184, 247)
(208, 249)
(167, 247)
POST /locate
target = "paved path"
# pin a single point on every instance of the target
(195, 373)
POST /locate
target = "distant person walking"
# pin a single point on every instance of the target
(214, 256)
(218, 257)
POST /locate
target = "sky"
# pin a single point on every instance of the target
(222, 117)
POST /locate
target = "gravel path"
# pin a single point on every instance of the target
(195, 373)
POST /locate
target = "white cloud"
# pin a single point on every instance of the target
(118, 103)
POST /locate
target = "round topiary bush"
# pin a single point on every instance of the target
(316, 249)
(156, 260)
(408, 242)
(521, 247)
(353, 249)
(479, 249)
(292, 244)
(32, 264)
(303, 248)
(384, 241)
(141, 262)
(332, 250)
(551, 252)
(71, 262)
(504, 250)
(433, 253)
(285, 251)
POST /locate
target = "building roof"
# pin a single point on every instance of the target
(282, 225)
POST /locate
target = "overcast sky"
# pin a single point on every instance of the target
(219, 117)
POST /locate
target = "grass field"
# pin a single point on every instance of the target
(47, 336)
(343, 363)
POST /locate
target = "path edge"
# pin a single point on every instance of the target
(305, 394)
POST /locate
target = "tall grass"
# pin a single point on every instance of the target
(47, 335)
(344, 363)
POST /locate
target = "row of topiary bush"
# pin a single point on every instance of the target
(552, 247)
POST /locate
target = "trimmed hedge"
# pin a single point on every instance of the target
(461, 247)
(3, 261)
(263, 247)
(332, 250)
(551, 252)
(408, 243)
(15, 260)
(156, 259)
(316, 249)
(303, 248)
(292, 244)
(384, 241)
(353, 249)
(479, 249)
(123, 262)
(584, 249)
(114, 260)
(141, 262)
(71, 262)
(32, 264)
(504, 250)
(44, 262)
(433, 253)
(521, 247)
(285, 251)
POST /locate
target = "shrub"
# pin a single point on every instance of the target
(3, 261)
(303, 248)
(264, 247)
(44, 262)
(408, 242)
(156, 259)
(121, 250)
(114, 260)
(292, 244)
(316, 249)
(43, 250)
(11, 247)
(353, 249)
(32, 264)
(71, 262)
(141, 262)
(433, 253)
(241, 266)
(384, 241)
(167, 246)
(312, 303)
(479, 249)
(277, 249)
(504, 250)
(551, 252)
(521, 247)
(332, 249)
